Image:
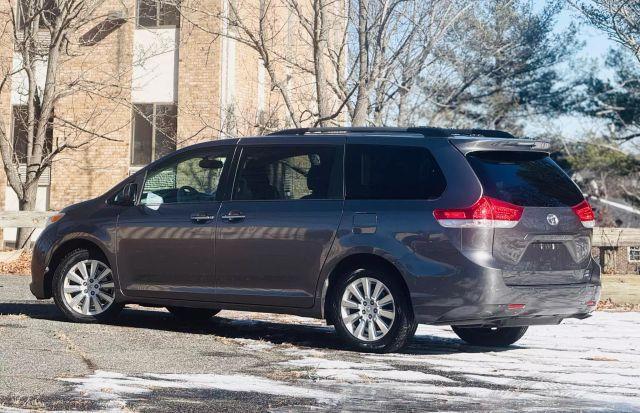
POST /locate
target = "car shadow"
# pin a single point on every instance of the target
(301, 335)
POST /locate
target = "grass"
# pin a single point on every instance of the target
(621, 288)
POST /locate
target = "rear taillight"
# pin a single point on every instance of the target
(585, 214)
(485, 213)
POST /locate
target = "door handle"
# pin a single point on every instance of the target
(233, 216)
(199, 217)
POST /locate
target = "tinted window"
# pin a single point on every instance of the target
(287, 172)
(392, 172)
(524, 178)
(187, 179)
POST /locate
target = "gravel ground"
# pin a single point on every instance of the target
(148, 361)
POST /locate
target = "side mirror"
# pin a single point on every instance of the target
(127, 195)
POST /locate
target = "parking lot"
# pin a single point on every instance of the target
(148, 361)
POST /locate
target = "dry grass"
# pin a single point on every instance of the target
(288, 375)
(600, 358)
(37, 404)
(19, 266)
(610, 305)
(620, 289)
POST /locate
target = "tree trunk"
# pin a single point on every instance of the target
(320, 44)
(361, 110)
(402, 118)
(28, 203)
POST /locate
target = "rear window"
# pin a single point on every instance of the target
(392, 172)
(524, 178)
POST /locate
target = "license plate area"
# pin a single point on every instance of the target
(547, 246)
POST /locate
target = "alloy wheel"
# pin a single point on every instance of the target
(367, 309)
(88, 287)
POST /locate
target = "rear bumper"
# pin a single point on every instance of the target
(483, 299)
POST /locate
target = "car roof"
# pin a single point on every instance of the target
(421, 131)
(466, 140)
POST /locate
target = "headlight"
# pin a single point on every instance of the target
(54, 218)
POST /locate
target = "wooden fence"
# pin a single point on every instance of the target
(24, 219)
(616, 237)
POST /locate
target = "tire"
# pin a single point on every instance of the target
(486, 336)
(400, 328)
(81, 299)
(192, 314)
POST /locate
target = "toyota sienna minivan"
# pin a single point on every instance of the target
(374, 230)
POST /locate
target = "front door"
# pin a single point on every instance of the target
(165, 242)
(274, 234)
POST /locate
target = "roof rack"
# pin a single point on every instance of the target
(429, 132)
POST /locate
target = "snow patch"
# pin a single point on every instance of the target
(114, 389)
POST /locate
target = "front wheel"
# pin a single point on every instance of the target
(371, 312)
(487, 336)
(84, 288)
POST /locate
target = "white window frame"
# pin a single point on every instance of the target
(629, 250)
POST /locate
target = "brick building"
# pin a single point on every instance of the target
(171, 81)
(617, 250)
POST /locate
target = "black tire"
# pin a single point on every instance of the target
(71, 259)
(486, 336)
(192, 314)
(403, 326)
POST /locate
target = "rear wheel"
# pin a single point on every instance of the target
(371, 312)
(84, 287)
(192, 314)
(487, 336)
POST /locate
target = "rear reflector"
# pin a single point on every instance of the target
(487, 212)
(585, 214)
(591, 303)
(515, 306)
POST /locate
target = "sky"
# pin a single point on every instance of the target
(596, 42)
(596, 46)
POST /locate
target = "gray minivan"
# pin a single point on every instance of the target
(372, 229)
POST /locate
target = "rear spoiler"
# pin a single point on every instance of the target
(465, 145)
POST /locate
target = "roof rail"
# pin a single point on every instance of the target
(423, 130)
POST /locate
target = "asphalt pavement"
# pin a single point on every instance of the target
(243, 362)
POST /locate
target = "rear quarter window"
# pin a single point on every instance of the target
(524, 178)
(392, 172)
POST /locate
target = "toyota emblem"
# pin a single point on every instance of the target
(552, 219)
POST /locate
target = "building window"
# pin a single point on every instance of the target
(21, 134)
(158, 13)
(634, 254)
(154, 132)
(47, 15)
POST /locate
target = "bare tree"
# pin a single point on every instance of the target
(47, 36)
(396, 41)
(354, 59)
(619, 19)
